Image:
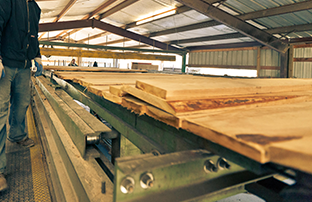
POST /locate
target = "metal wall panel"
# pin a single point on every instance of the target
(270, 57)
(303, 69)
(226, 58)
(270, 73)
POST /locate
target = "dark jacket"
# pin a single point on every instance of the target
(19, 22)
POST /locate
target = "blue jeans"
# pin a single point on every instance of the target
(14, 89)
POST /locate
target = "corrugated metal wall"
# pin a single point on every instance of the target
(303, 69)
(231, 58)
(238, 59)
(269, 58)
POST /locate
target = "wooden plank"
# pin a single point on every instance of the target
(149, 98)
(94, 123)
(98, 90)
(116, 90)
(296, 153)
(186, 89)
(252, 131)
(134, 105)
(140, 107)
(105, 54)
(101, 82)
(90, 69)
(113, 98)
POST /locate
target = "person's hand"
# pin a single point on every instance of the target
(2, 72)
(39, 66)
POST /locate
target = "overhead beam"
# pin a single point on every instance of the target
(61, 14)
(131, 35)
(208, 38)
(247, 16)
(94, 37)
(289, 8)
(104, 54)
(65, 25)
(279, 30)
(98, 9)
(226, 46)
(117, 8)
(106, 27)
(237, 24)
(64, 11)
(88, 16)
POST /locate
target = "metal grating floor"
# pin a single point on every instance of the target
(26, 174)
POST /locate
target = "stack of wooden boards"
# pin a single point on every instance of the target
(268, 120)
(90, 69)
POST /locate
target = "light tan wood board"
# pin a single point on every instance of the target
(90, 69)
(200, 88)
(265, 134)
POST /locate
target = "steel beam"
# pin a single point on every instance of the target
(237, 24)
(75, 178)
(247, 16)
(99, 9)
(226, 46)
(279, 30)
(289, 8)
(50, 43)
(46, 27)
(208, 38)
(131, 35)
(104, 54)
(64, 11)
(106, 27)
(116, 8)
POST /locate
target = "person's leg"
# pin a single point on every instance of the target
(20, 100)
(5, 88)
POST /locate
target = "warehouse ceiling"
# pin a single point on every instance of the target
(177, 25)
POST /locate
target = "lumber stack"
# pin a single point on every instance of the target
(91, 69)
(268, 120)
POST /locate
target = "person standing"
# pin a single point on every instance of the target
(19, 24)
(73, 63)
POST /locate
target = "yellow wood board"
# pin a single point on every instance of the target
(200, 88)
(265, 134)
(149, 98)
(90, 69)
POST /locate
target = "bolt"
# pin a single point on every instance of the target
(147, 180)
(222, 163)
(127, 185)
(209, 166)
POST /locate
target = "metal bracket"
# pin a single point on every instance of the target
(179, 176)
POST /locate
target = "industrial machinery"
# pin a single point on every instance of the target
(144, 160)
